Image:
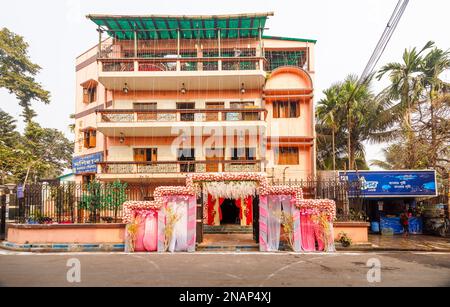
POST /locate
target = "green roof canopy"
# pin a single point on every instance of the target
(165, 27)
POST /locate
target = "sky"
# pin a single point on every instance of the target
(346, 31)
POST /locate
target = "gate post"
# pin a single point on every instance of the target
(199, 217)
(2, 213)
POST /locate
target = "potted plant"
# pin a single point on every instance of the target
(344, 239)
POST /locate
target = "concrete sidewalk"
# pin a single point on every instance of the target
(424, 243)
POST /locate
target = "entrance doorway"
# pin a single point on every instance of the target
(230, 212)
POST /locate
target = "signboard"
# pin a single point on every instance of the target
(20, 191)
(407, 183)
(87, 163)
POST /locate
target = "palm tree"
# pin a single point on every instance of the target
(354, 120)
(404, 91)
(326, 114)
(435, 63)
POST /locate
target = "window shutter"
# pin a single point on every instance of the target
(93, 92)
(276, 112)
(86, 139)
(93, 138)
(85, 95)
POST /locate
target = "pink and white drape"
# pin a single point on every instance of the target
(146, 236)
(309, 232)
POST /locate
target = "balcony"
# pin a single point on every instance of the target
(174, 169)
(165, 122)
(168, 73)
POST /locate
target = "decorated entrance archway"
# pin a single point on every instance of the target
(169, 222)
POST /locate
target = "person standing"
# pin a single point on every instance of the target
(405, 223)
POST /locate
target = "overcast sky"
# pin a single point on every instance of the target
(346, 32)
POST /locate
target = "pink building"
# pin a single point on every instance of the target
(163, 96)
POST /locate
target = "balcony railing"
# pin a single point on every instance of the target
(183, 64)
(182, 115)
(164, 167)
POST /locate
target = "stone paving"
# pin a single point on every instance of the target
(412, 242)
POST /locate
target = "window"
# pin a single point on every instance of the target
(143, 106)
(90, 138)
(145, 154)
(286, 109)
(186, 154)
(243, 153)
(215, 154)
(277, 58)
(89, 94)
(286, 155)
(242, 115)
(242, 104)
(213, 116)
(188, 116)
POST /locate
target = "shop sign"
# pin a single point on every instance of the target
(407, 183)
(87, 163)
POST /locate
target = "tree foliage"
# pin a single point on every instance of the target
(419, 134)
(17, 72)
(343, 99)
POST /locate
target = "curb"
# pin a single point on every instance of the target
(63, 247)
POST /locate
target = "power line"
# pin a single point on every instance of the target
(373, 60)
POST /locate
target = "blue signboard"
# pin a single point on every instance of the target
(393, 183)
(87, 163)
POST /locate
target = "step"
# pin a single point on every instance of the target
(224, 229)
(228, 242)
(227, 248)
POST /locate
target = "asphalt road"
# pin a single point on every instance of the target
(226, 269)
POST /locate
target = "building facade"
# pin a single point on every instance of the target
(162, 96)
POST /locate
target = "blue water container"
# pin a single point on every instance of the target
(375, 226)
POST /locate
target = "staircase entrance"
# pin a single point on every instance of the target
(230, 212)
(230, 235)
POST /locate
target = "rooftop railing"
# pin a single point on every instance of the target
(182, 64)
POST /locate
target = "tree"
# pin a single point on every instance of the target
(423, 140)
(49, 152)
(17, 72)
(403, 93)
(365, 114)
(326, 114)
(10, 156)
(435, 63)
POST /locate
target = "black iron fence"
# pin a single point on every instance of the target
(74, 203)
(102, 202)
(348, 196)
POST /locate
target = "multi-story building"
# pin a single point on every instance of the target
(162, 96)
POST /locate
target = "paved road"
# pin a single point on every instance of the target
(225, 269)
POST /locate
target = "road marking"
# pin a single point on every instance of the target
(278, 271)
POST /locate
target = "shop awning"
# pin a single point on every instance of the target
(193, 26)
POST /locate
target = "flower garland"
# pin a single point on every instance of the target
(232, 189)
(317, 207)
(131, 208)
(238, 176)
